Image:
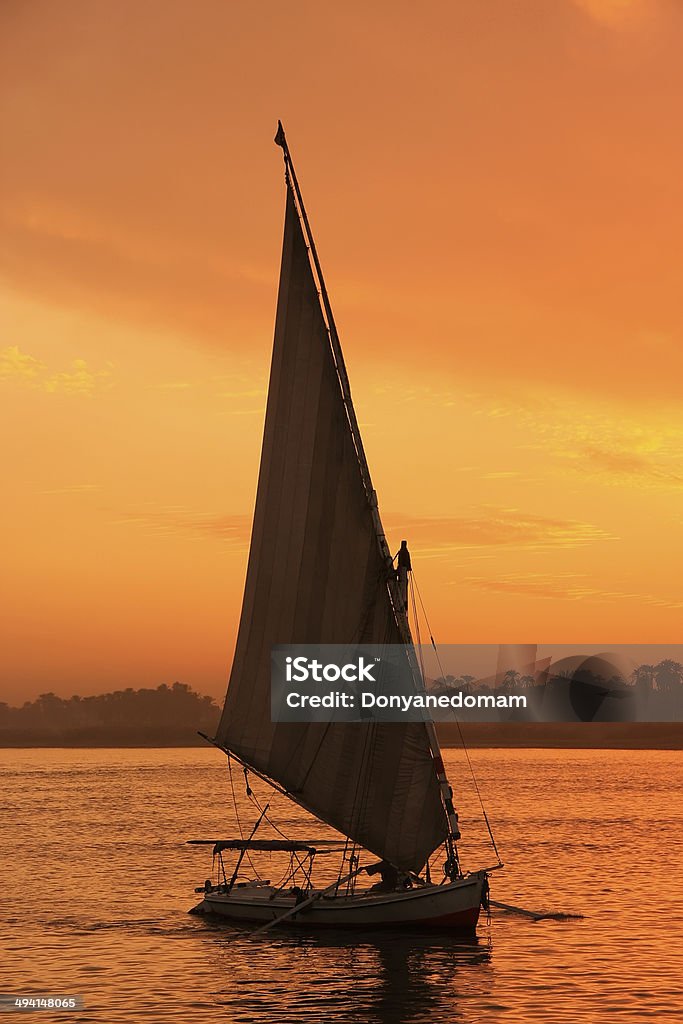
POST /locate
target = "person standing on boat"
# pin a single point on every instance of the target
(403, 567)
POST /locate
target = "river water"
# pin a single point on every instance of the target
(97, 881)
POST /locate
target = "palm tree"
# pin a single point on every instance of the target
(510, 680)
(669, 675)
(643, 677)
(466, 682)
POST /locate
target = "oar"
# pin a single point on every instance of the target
(311, 899)
(536, 915)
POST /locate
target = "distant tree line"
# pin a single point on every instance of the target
(586, 690)
(165, 716)
(665, 677)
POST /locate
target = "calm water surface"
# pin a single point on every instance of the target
(96, 884)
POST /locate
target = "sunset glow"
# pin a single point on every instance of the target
(494, 190)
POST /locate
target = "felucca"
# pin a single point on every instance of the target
(320, 572)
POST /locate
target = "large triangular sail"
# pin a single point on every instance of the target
(316, 574)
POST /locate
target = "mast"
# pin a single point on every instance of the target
(316, 574)
(400, 606)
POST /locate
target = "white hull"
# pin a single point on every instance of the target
(454, 906)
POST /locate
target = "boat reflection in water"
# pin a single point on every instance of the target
(407, 978)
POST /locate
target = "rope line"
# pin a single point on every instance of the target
(457, 722)
(237, 817)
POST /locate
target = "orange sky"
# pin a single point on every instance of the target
(495, 193)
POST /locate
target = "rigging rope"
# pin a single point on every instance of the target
(417, 628)
(294, 857)
(457, 722)
(237, 816)
(263, 816)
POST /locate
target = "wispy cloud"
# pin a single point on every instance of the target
(79, 380)
(248, 393)
(124, 269)
(72, 489)
(489, 526)
(559, 586)
(178, 519)
(208, 386)
(20, 368)
(603, 445)
(242, 412)
(615, 464)
(171, 385)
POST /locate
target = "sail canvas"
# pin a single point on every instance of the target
(316, 575)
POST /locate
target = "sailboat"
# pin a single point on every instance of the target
(320, 571)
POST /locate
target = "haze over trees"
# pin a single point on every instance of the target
(666, 678)
(561, 702)
(165, 716)
(173, 716)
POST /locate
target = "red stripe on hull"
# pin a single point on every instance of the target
(464, 921)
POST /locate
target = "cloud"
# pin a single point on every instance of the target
(209, 384)
(123, 272)
(596, 443)
(72, 489)
(18, 367)
(559, 586)
(171, 385)
(78, 381)
(621, 465)
(489, 526)
(177, 519)
(248, 393)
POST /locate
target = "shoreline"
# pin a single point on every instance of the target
(475, 735)
(444, 746)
